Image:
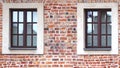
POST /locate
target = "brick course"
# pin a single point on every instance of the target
(60, 22)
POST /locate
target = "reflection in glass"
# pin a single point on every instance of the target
(20, 28)
(95, 29)
(95, 16)
(109, 29)
(29, 31)
(20, 40)
(34, 28)
(21, 16)
(28, 40)
(14, 40)
(108, 16)
(15, 15)
(14, 28)
(89, 28)
(34, 41)
(29, 16)
(103, 17)
(103, 41)
(103, 28)
(109, 40)
(35, 17)
(95, 43)
(89, 16)
(89, 40)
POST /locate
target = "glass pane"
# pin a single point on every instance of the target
(29, 16)
(109, 16)
(14, 28)
(21, 16)
(89, 40)
(14, 41)
(109, 40)
(95, 16)
(29, 31)
(95, 42)
(103, 40)
(89, 28)
(103, 28)
(20, 40)
(34, 28)
(89, 16)
(34, 40)
(109, 29)
(103, 16)
(15, 15)
(20, 28)
(95, 30)
(28, 40)
(35, 17)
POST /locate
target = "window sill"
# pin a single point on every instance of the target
(23, 48)
(97, 49)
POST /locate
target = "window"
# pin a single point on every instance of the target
(97, 28)
(22, 28)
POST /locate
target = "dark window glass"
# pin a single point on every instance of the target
(98, 28)
(23, 28)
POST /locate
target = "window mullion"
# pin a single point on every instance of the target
(25, 29)
(99, 29)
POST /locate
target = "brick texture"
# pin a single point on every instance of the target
(60, 22)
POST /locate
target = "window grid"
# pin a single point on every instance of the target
(99, 24)
(25, 23)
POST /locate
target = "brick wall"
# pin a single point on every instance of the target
(60, 22)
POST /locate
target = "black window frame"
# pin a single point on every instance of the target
(24, 46)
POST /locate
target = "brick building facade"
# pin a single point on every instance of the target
(60, 39)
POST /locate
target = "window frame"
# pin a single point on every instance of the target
(24, 28)
(6, 49)
(81, 28)
(99, 32)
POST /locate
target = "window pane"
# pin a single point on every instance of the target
(14, 41)
(108, 16)
(21, 16)
(89, 40)
(15, 15)
(95, 42)
(103, 16)
(34, 16)
(95, 30)
(103, 40)
(20, 28)
(95, 16)
(29, 16)
(89, 28)
(89, 16)
(109, 40)
(20, 40)
(34, 40)
(109, 28)
(34, 28)
(29, 31)
(28, 40)
(14, 28)
(103, 28)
